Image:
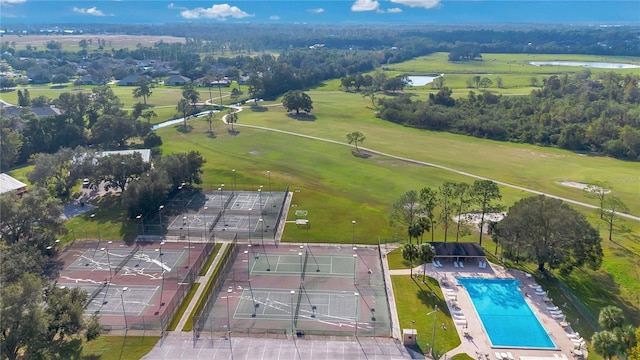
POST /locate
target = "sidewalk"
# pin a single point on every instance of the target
(202, 280)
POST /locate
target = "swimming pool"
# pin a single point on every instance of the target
(505, 315)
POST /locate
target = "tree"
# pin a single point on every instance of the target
(255, 87)
(115, 130)
(210, 116)
(235, 94)
(462, 195)
(6, 83)
(610, 317)
(41, 325)
(184, 107)
(10, 146)
(485, 82)
(613, 205)
(634, 353)
(190, 92)
(445, 200)
(415, 231)
(117, 170)
(627, 339)
(550, 232)
(599, 190)
(410, 253)
(405, 210)
(232, 118)
(483, 194)
(426, 255)
(297, 100)
(499, 82)
(59, 79)
(54, 171)
(143, 89)
(605, 343)
(355, 138)
(147, 194)
(428, 203)
(183, 168)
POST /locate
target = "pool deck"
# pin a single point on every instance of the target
(475, 341)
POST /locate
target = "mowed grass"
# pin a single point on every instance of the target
(414, 300)
(118, 347)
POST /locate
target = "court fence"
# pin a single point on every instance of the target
(178, 284)
(385, 285)
(282, 209)
(212, 292)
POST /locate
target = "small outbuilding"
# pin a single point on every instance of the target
(9, 184)
(457, 251)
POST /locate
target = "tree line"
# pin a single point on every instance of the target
(540, 229)
(577, 112)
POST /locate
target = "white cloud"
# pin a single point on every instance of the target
(427, 4)
(365, 5)
(394, 10)
(93, 11)
(316, 10)
(274, 17)
(2, 2)
(218, 11)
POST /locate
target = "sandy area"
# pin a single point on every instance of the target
(474, 218)
(578, 185)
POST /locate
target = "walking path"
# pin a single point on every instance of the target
(202, 280)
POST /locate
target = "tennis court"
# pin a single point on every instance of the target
(301, 288)
(128, 261)
(112, 299)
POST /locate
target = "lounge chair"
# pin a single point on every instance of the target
(555, 312)
(461, 264)
(439, 264)
(551, 308)
(498, 356)
(557, 316)
(455, 263)
(510, 356)
(575, 335)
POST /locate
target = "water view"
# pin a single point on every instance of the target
(422, 80)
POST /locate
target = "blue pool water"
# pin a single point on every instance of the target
(505, 315)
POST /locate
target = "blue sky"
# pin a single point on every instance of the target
(323, 11)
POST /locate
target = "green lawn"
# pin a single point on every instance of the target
(118, 347)
(415, 299)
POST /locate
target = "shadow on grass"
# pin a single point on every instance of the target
(361, 154)
(184, 129)
(258, 108)
(302, 116)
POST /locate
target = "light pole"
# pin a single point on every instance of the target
(260, 198)
(355, 258)
(222, 203)
(234, 179)
(261, 231)
(93, 216)
(301, 269)
(141, 219)
(250, 231)
(184, 207)
(206, 229)
(433, 333)
(248, 263)
(293, 311)
(184, 222)
(229, 291)
(124, 312)
(160, 216)
(356, 294)
(269, 173)
(161, 272)
(353, 233)
(108, 258)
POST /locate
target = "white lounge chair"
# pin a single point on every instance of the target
(551, 308)
(455, 263)
(555, 312)
(461, 264)
(575, 335)
(439, 264)
(510, 356)
(498, 356)
(557, 316)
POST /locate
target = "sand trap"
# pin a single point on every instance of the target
(474, 218)
(579, 185)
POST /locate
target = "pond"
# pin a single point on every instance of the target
(422, 80)
(588, 64)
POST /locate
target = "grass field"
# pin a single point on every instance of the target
(118, 347)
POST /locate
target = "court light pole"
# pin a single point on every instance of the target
(108, 258)
(356, 295)
(293, 311)
(206, 228)
(160, 217)
(248, 263)
(93, 216)
(355, 259)
(234, 179)
(353, 233)
(260, 198)
(269, 174)
(229, 291)
(141, 219)
(301, 269)
(222, 203)
(433, 333)
(261, 231)
(161, 272)
(250, 231)
(184, 222)
(124, 312)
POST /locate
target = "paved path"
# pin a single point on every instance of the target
(517, 187)
(202, 280)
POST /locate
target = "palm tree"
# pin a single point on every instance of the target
(426, 254)
(605, 344)
(610, 317)
(210, 118)
(626, 338)
(415, 231)
(410, 253)
(184, 106)
(232, 118)
(425, 225)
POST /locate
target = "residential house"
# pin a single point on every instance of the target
(176, 80)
